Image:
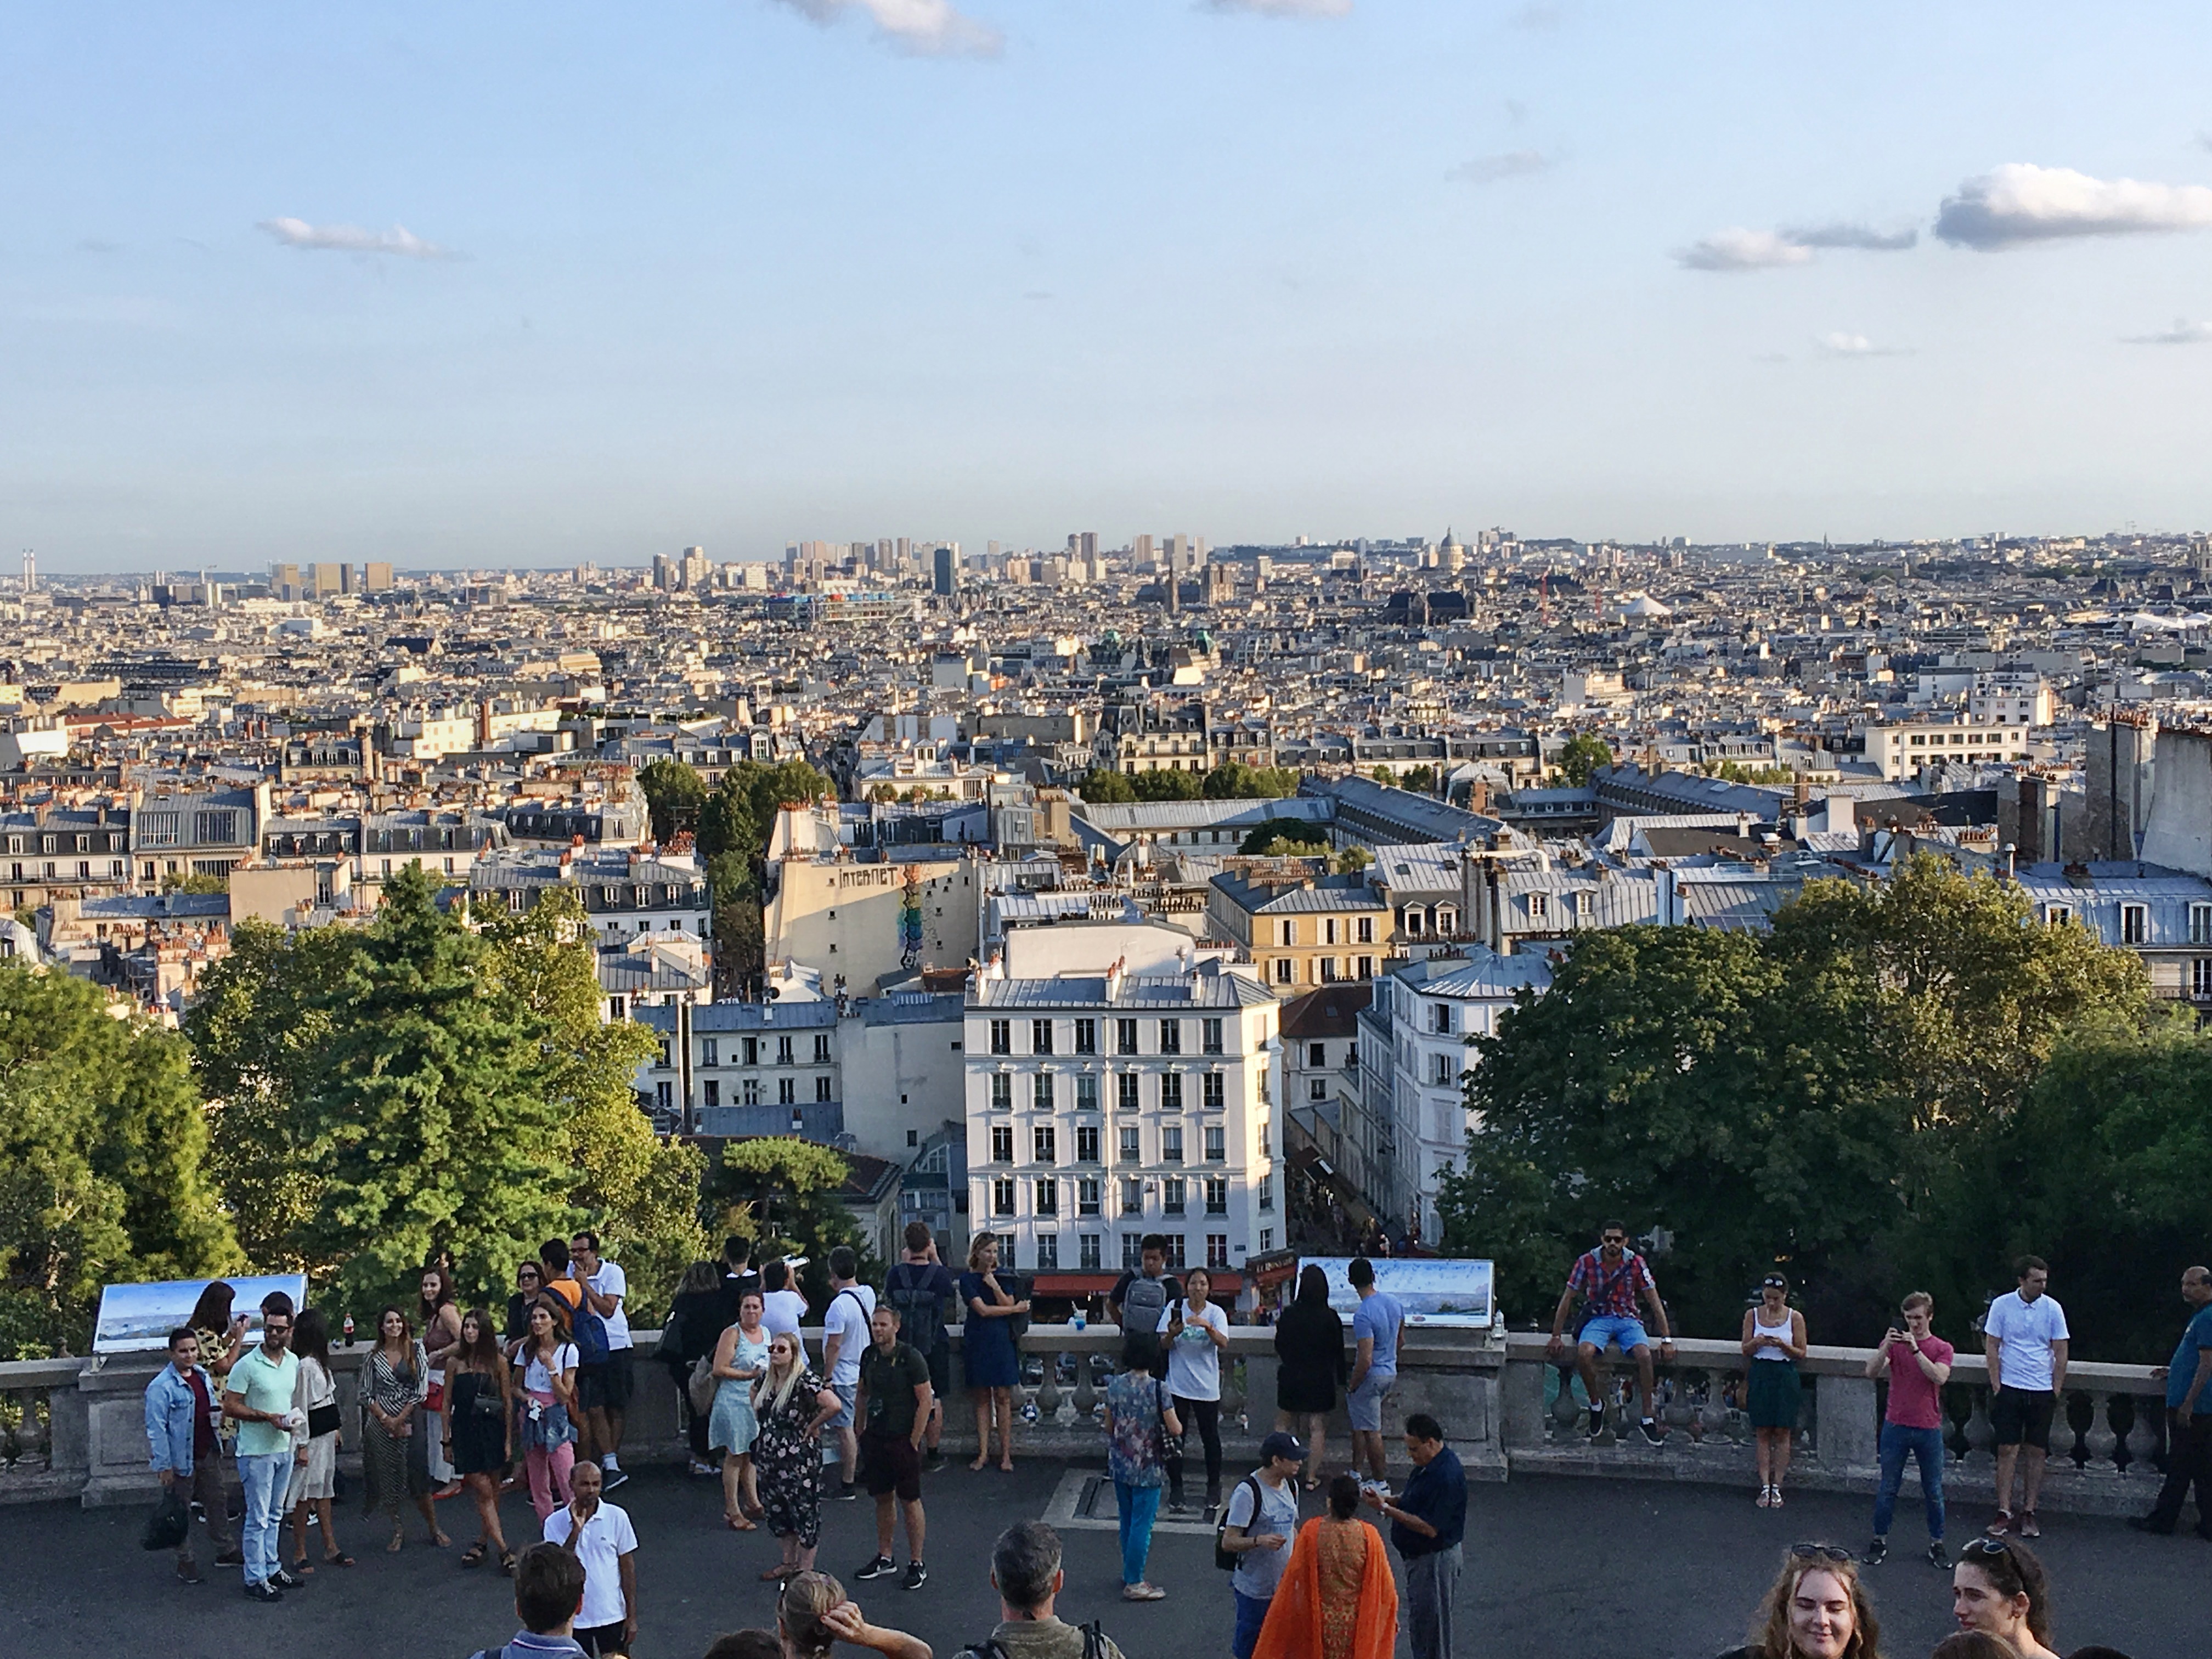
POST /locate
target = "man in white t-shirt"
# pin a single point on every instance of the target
(845, 1336)
(600, 1536)
(783, 1305)
(2024, 1339)
(603, 1389)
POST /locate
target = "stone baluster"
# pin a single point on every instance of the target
(1086, 1402)
(2143, 1434)
(1048, 1395)
(1232, 1392)
(1981, 1435)
(1678, 1413)
(2101, 1440)
(1566, 1415)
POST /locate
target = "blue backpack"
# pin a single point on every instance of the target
(590, 1332)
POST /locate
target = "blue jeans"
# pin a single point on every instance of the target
(1926, 1444)
(1138, 1507)
(1251, 1613)
(265, 1479)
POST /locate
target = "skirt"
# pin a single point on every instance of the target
(732, 1425)
(318, 1477)
(479, 1441)
(1772, 1398)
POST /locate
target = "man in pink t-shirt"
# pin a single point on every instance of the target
(1918, 1362)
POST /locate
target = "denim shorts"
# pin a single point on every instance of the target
(1364, 1402)
(1626, 1329)
(847, 1394)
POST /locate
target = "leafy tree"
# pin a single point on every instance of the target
(1385, 776)
(1262, 837)
(785, 1193)
(198, 883)
(1102, 785)
(1422, 777)
(1581, 755)
(673, 794)
(735, 822)
(1166, 785)
(1234, 780)
(103, 1147)
(884, 792)
(1353, 859)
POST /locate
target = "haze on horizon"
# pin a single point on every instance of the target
(536, 285)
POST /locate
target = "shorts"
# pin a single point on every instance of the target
(889, 1463)
(846, 1392)
(940, 1371)
(601, 1639)
(1365, 1401)
(608, 1385)
(1626, 1329)
(2022, 1417)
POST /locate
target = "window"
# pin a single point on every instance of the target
(1132, 1250)
(1284, 967)
(1048, 1196)
(1217, 1195)
(1175, 1250)
(2200, 978)
(1539, 906)
(1217, 1144)
(1171, 1144)
(1266, 1240)
(1318, 1089)
(1317, 1054)
(713, 1093)
(1366, 966)
(786, 1091)
(1171, 1091)
(1125, 1091)
(1086, 1036)
(1328, 974)
(1217, 1249)
(1329, 929)
(1002, 1036)
(2053, 914)
(752, 1051)
(752, 1091)
(2200, 924)
(1086, 1092)
(1171, 1036)
(1286, 931)
(1213, 1091)
(1040, 1091)
(1047, 1250)
(821, 1088)
(1209, 1036)
(1002, 1092)
(664, 1096)
(1440, 1069)
(1440, 1017)
(1087, 1253)
(2135, 923)
(1009, 1252)
(1128, 1153)
(783, 1051)
(1086, 1195)
(1125, 1036)
(1364, 933)
(1039, 1036)
(1267, 1192)
(1133, 1196)
(1447, 920)
(1044, 1140)
(1002, 1143)
(1171, 1198)
(709, 1052)
(1002, 1196)
(1086, 1144)
(821, 1048)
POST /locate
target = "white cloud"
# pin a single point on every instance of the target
(1865, 237)
(2184, 332)
(2020, 202)
(1285, 8)
(352, 239)
(927, 28)
(1512, 164)
(1841, 344)
(1738, 249)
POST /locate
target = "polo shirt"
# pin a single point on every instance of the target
(605, 1539)
(610, 1280)
(2181, 1370)
(528, 1644)
(265, 1385)
(1437, 1493)
(2025, 1331)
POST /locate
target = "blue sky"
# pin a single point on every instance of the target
(509, 284)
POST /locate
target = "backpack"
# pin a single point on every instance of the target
(1223, 1557)
(591, 1336)
(1094, 1645)
(920, 1310)
(1142, 1309)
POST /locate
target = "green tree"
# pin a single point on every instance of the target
(673, 794)
(1385, 776)
(785, 1194)
(735, 823)
(196, 884)
(1234, 780)
(1422, 778)
(1165, 786)
(1353, 859)
(1102, 785)
(1262, 836)
(1580, 756)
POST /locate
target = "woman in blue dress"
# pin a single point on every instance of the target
(988, 1359)
(740, 1357)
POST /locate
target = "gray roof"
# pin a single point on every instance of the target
(1155, 993)
(1326, 893)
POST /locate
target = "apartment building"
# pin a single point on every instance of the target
(1907, 750)
(623, 894)
(2165, 916)
(1323, 930)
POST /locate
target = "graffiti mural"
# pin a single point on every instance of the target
(909, 922)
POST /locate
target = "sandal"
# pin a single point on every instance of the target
(738, 1523)
(398, 1542)
(507, 1564)
(473, 1556)
(338, 1559)
(776, 1574)
(301, 1568)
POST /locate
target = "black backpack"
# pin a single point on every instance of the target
(1223, 1557)
(920, 1310)
(1094, 1645)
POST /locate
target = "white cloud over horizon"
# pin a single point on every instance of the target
(352, 239)
(1847, 234)
(1284, 7)
(1842, 343)
(1738, 249)
(2184, 332)
(2020, 203)
(926, 28)
(1508, 164)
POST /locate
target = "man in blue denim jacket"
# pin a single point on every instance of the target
(181, 1443)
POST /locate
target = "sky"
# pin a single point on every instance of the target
(507, 284)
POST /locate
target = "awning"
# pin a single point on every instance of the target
(1226, 1282)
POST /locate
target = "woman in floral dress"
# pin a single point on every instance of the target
(790, 1403)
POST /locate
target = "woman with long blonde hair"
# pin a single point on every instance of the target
(1816, 1609)
(791, 1402)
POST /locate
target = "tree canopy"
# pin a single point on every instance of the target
(1263, 837)
(673, 794)
(1580, 756)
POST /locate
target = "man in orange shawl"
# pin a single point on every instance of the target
(1337, 1600)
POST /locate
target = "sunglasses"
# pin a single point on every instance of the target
(1819, 1553)
(1991, 1547)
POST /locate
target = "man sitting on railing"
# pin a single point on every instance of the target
(1608, 1279)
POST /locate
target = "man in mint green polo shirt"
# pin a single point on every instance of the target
(257, 1396)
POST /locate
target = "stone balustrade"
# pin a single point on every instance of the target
(73, 1428)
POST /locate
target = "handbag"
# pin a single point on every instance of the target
(322, 1420)
(701, 1386)
(1170, 1445)
(436, 1400)
(169, 1524)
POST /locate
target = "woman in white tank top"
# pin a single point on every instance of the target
(1773, 1342)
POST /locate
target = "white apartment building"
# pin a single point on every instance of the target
(1106, 1101)
(1903, 751)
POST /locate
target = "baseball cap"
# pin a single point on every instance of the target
(1282, 1444)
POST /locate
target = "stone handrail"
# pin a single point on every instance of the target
(73, 1428)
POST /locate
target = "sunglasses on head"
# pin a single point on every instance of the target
(1819, 1553)
(1984, 1547)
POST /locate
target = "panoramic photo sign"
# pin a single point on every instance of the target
(138, 1318)
(1433, 1291)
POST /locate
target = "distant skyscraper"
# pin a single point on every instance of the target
(946, 571)
(377, 578)
(284, 580)
(330, 580)
(1140, 551)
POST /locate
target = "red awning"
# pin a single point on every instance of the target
(1226, 1281)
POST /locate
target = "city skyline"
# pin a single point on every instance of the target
(535, 290)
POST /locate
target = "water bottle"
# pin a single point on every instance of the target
(349, 1330)
(1081, 1319)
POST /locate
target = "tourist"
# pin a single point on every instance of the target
(812, 1615)
(548, 1592)
(844, 1337)
(257, 1396)
(1375, 1324)
(1917, 1364)
(893, 1409)
(783, 1304)
(989, 1364)
(740, 1357)
(441, 1328)
(548, 1408)
(1138, 1421)
(691, 1334)
(220, 1333)
(1140, 1301)
(1428, 1522)
(560, 1270)
(529, 1286)
(738, 1276)
(791, 1402)
(603, 1389)
(1309, 1366)
(2188, 1379)
(1026, 1571)
(479, 1412)
(600, 1535)
(1773, 1341)
(394, 1459)
(1197, 1337)
(314, 1443)
(2024, 1339)
(1337, 1600)
(186, 1451)
(2000, 1586)
(1978, 1644)
(1816, 1609)
(919, 1287)
(1607, 1281)
(1261, 1521)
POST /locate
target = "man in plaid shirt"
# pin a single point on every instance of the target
(1607, 1281)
